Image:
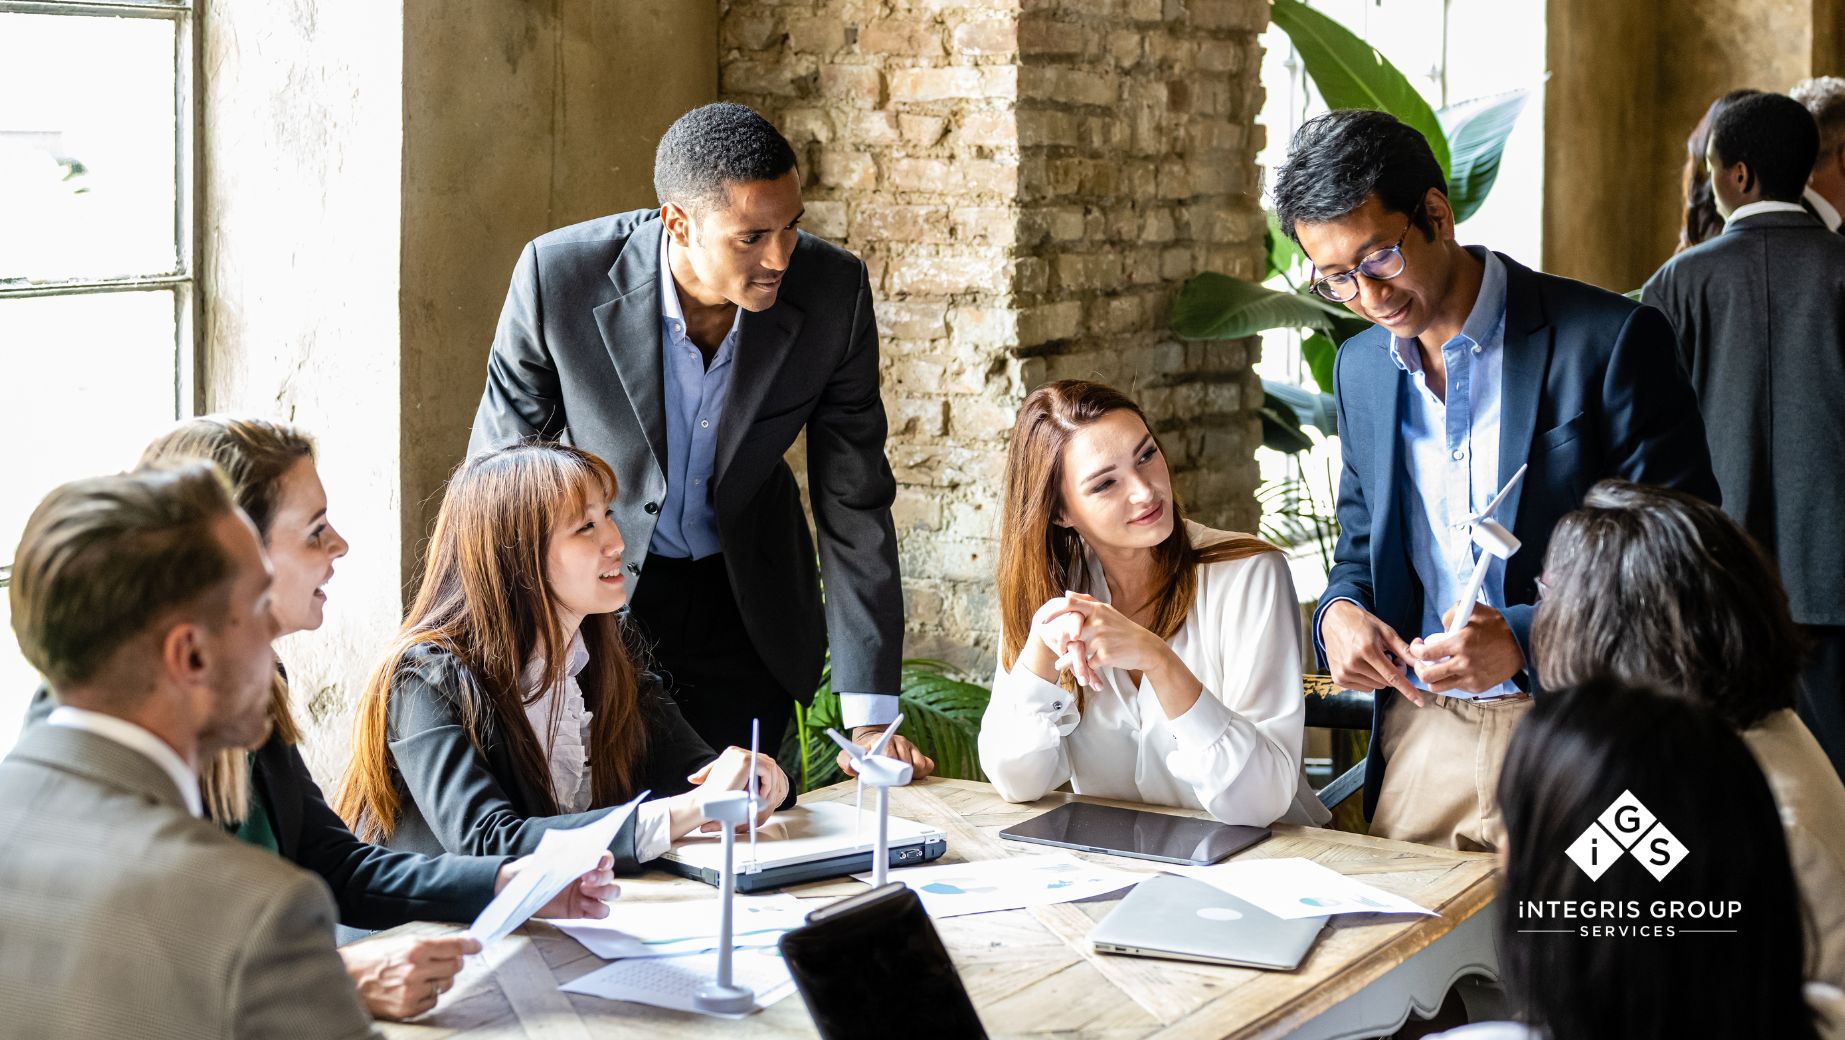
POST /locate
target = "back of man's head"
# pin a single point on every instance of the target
(713, 146)
(1824, 97)
(1774, 136)
(1339, 159)
(106, 561)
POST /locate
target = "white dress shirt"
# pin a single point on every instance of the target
(1236, 753)
(561, 722)
(1764, 206)
(135, 738)
(1823, 207)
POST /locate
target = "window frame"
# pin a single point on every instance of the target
(181, 280)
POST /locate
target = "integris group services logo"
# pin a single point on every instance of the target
(1627, 828)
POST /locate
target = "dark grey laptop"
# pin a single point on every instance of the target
(1179, 918)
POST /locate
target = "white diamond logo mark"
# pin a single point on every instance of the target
(1594, 852)
(1660, 851)
(1626, 819)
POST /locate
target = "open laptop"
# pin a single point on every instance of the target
(1179, 918)
(806, 843)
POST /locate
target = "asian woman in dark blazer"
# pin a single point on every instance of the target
(509, 705)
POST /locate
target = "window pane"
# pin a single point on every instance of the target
(90, 382)
(86, 147)
(17, 679)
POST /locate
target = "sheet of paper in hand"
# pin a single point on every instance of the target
(562, 856)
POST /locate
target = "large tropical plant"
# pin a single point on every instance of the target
(941, 716)
(1468, 139)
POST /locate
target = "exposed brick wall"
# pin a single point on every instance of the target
(1029, 182)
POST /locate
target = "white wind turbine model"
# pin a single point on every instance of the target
(730, 810)
(882, 773)
(1492, 536)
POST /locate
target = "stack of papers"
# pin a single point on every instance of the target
(954, 889)
(670, 928)
(1295, 888)
(673, 982)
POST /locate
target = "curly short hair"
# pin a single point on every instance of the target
(712, 146)
(1338, 160)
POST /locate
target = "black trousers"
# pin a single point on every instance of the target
(685, 611)
(1822, 690)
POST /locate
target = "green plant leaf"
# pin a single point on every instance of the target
(1217, 306)
(1281, 427)
(1477, 130)
(1283, 254)
(1350, 73)
(1319, 351)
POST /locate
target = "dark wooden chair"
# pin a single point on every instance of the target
(1330, 707)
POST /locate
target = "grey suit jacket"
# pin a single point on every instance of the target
(122, 916)
(577, 357)
(1760, 316)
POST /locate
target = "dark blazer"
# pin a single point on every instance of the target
(1760, 314)
(577, 357)
(457, 797)
(374, 886)
(1591, 389)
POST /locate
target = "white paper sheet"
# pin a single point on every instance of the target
(669, 928)
(954, 889)
(562, 856)
(671, 982)
(1297, 888)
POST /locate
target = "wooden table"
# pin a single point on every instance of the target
(1031, 972)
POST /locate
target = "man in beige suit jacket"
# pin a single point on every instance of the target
(144, 599)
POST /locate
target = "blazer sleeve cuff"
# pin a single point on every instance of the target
(1319, 646)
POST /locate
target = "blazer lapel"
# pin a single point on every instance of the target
(763, 344)
(1528, 340)
(630, 325)
(1383, 401)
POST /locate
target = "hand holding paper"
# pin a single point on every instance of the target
(563, 857)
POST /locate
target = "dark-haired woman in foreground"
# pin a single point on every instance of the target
(1652, 586)
(1143, 657)
(508, 705)
(1733, 975)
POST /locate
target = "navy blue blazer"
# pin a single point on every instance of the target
(1592, 389)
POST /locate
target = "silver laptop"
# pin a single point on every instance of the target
(1179, 918)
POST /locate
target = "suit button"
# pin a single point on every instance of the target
(652, 507)
(634, 568)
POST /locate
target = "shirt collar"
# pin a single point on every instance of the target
(1485, 318)
(1828, 213)
(1764, 206)
(135, 738)
(574, 662)
(669, 298)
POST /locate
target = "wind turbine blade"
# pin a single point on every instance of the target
(889, 732)
(1493, 506)
(857, 753)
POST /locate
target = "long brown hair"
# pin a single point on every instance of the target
(254, 455)
(485, 598)
(1039, 559)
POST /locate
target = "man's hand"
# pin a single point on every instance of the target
(1364, 653)
(401, 978)
(587, 897)
(902, 750)
(1480, 656)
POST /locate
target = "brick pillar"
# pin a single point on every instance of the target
(1029, 182)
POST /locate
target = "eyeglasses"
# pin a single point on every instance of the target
(1381, 265)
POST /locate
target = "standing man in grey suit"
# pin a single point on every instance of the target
(689, 346)
(144, 599)
(1824, 197)
(1760, 315)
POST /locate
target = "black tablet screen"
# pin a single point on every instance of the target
(1137, 833)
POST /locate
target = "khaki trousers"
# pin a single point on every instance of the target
(1441, 771)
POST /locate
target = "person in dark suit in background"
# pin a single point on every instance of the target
(1824, 197)
(689, 346)
(1760, 314)
(1476, 366)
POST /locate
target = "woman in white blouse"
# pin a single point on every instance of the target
(1143, 657)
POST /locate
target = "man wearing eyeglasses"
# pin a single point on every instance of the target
(1476, 366)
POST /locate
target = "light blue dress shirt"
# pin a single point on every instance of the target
(1450, 459)
(694, 400)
